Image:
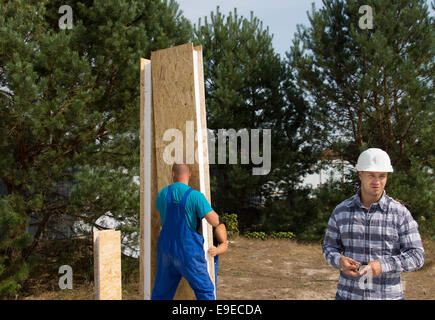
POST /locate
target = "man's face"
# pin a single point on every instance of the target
(373, 183)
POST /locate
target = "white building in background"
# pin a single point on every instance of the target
(129, 242)
(331, 167)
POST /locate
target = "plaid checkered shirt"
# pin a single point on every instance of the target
(387, 233)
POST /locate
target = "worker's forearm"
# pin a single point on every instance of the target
(412, 254)
(408, 261)
(332, 247)
(332, 256)
(221, 233)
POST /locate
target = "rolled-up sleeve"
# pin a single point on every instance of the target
(332, 246)
(411, 255)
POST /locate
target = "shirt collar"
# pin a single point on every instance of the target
(382, 202)
(178, 183)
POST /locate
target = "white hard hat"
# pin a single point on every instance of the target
(374, 159)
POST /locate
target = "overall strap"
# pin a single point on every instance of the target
(169, 195)
(186, 194)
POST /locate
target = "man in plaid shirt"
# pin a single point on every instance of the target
(371, 238)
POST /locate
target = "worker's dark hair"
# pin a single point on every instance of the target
(180, 168)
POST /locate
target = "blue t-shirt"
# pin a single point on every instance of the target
(196, 206)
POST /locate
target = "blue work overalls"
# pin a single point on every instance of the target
(180, 253)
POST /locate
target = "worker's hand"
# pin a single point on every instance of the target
(223, 247)
(375, 266)
(212, 251)
(349, 266)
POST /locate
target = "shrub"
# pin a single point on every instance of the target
(231, 222)
(273, 235)
(282, 235)
(256, 235)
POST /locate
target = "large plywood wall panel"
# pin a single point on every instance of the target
(177, 102)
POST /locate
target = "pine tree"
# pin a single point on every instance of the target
(373, 88)
(69, 122)
(248, 87)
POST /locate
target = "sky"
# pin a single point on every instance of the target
(281, 16)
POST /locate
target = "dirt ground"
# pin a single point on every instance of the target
(287, 270)
(271, 269)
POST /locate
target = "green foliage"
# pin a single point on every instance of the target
(256, 235)
(322, 202)
(78, 254)
(261, 235)
(426, 227)
(249, 87)
(69, 126)
(13, 240)
(282, 235)
(231, 222)
(373, 88)
(304, 213)
(413, 189)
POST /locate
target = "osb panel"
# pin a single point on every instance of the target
(143, 62)
(174, 105)
(96, 270)
(155, 217)
(108, 244)
(203, 123)
(206, 171)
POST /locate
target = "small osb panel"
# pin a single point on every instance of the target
(174, 107)
(107, 265)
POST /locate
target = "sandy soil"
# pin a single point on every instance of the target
(271, 269)
(282, 269)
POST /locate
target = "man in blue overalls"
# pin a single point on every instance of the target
(180, 251)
